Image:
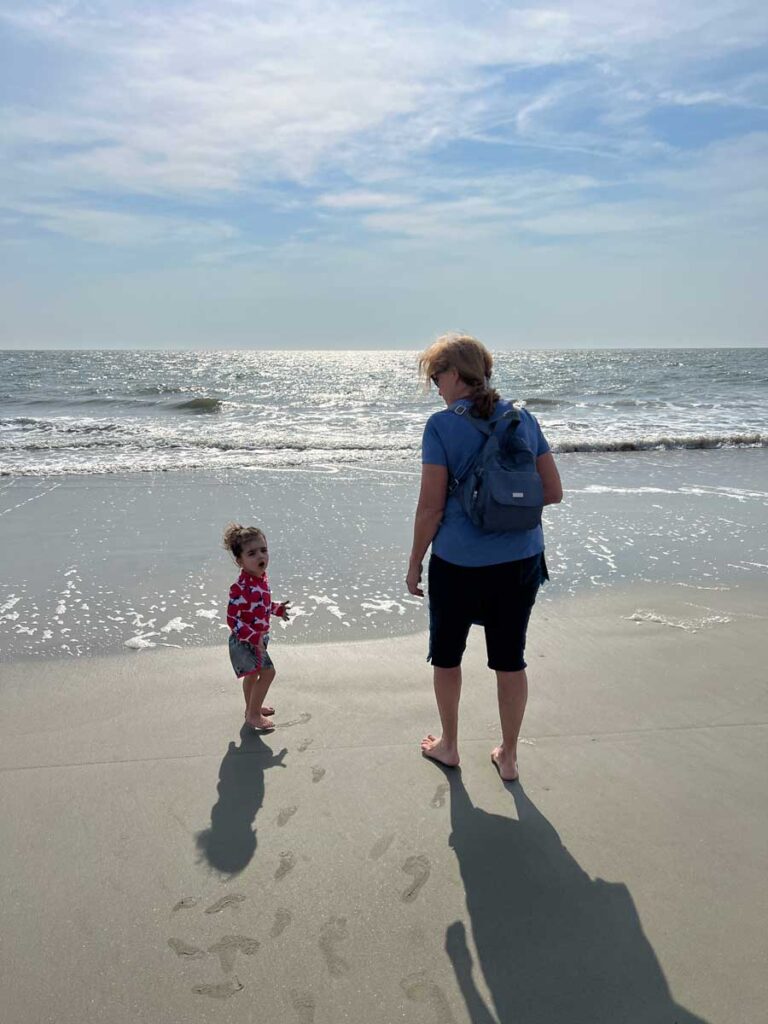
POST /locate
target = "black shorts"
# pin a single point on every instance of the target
(498, 597)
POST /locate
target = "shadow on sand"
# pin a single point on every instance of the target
(554, 945)
(230, 843)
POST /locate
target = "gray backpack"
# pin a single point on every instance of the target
(502, 489)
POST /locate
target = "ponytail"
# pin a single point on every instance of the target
(484, 399)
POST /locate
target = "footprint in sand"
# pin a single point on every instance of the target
(301, 720)
(185, 902)
(287, 863)
(332, 933)
(283, 918)
(229, 946)
(226, 901)
(285, 815)
(419, 988)
(438, 800)
(304, 745)
(304, 1005)
(419, 867)
(317, 773)
(381, 846)
(181, 948)
(223, 990)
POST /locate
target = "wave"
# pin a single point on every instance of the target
(200, 405)
(26, 434)
(46, 437)
(637, 403)
(544, 403)
(161, 389)
(154, 398)
(662, 443)
(30, 423)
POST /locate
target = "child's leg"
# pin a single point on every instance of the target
(248, 682)
(260, 684)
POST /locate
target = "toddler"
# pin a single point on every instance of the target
(248, 613)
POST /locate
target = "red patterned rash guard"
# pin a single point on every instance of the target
(250, 607)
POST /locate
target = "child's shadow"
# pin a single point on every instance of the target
(553, 944)
(230, 843)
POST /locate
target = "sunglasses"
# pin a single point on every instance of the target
(435, 377)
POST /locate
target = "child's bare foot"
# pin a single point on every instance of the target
(266, 711)
(506, 764)
(260, 723)
(437, 750)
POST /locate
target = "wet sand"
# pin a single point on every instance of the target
(163, 865)
(92, 564)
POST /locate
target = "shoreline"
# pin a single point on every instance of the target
(123, 558)
(550, 601)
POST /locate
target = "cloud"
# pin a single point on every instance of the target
(125, 230)
(359, 200)
(356, 109)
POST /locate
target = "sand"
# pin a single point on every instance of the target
(162, 865)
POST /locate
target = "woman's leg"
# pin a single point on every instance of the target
(261, 682)
(512, 690)
(447, 682)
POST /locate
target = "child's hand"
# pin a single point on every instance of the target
(282, 610)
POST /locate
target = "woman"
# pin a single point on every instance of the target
(474, 576)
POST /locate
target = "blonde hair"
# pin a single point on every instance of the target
(471, 360)
(236, 537)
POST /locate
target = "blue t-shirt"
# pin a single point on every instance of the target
(449, 441)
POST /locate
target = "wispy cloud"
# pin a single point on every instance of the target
(428, 120)
(125, 230)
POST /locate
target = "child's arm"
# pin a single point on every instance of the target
(280, 609)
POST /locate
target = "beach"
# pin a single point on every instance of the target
(163, 864)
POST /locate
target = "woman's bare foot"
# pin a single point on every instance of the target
(261, 723)
(506, 764)
(439, 751)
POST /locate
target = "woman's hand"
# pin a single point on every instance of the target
(413, 579)
(429, 514)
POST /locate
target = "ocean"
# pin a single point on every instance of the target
(119, 471)
(107, 412)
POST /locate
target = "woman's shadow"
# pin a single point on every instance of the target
(230, 843)
(554, 945)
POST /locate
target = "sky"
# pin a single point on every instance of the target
(348, 174)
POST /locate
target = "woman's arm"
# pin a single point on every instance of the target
(550, 478)
(429, 513)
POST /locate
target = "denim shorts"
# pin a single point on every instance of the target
(498, 597)
(247, 658)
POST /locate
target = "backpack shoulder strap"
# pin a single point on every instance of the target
(484, 426)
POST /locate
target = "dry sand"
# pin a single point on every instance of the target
(160, 865)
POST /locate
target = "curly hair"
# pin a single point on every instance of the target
(236, 537)
(473, 363)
